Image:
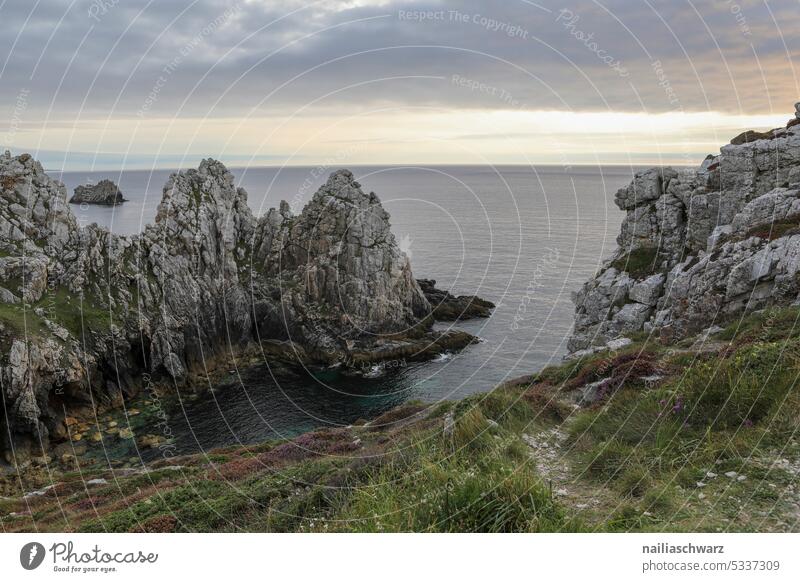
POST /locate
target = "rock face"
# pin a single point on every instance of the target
(448, 307)
(105, 192)
(700, 246)
(85, 313)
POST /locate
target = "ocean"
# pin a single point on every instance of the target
(521, 237)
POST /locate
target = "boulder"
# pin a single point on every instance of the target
(649, 290)
(447, 307)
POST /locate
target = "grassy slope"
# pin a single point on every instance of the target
(650, 456)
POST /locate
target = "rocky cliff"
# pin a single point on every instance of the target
(85, 313)
(700, 246)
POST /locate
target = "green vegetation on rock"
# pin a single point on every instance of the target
(639, 262)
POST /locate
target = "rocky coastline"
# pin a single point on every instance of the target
(84, 312)
(699, 247)
(656, 423)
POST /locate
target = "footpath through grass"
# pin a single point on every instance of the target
(682, 438)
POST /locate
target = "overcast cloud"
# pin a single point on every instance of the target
(76, 61)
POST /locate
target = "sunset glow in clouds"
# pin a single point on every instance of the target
(392, 82)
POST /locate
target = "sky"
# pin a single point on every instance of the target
(98, 84)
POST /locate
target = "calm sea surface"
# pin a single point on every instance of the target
(521, 237)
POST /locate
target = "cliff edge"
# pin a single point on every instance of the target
(700, 246)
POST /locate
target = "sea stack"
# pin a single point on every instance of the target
(105, 193)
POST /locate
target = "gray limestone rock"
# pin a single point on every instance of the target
(728, 233)
(105, 192)
(88, 312)
(649, 290)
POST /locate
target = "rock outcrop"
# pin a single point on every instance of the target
(86, 313)
(700, 246)
(105, 193)
(448, 307)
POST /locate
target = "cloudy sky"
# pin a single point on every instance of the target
(138, 82)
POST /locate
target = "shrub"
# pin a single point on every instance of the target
(626, 367)
(776, 229)
(507, 406)
(658, 500)
(397, 415)
(331, 442)
(546, 402)
(236, 469)
(627, 518)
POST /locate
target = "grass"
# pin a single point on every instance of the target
(713, 417)
(639, 262)
(75, 315)
(648, 458)
(20, 320)
(456, 494)
(413, 477)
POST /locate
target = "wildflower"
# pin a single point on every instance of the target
(678, 406)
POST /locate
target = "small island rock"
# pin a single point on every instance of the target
(104, 192)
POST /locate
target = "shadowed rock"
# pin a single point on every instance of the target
(447, 307)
